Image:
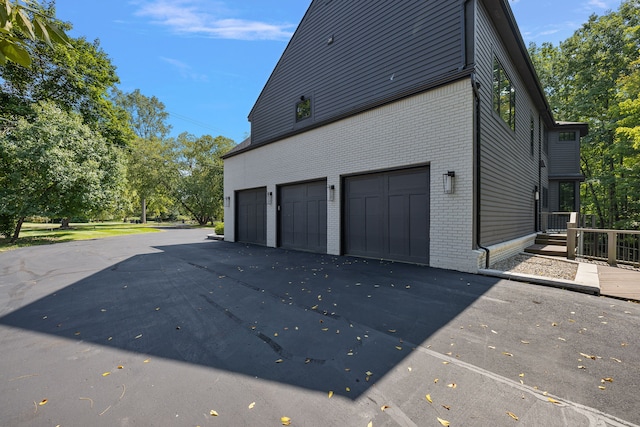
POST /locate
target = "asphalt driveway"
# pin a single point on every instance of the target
(161, 329)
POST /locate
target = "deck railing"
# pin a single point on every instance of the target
(554, 222)
(612, 246)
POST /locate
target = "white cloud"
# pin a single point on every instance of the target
(185, 70)
(598, 3)
(209, 19)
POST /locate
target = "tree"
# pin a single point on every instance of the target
(77, 77)
(57, 166)
(26, 20)
(588, 77)
(151, 154)
(200, 186)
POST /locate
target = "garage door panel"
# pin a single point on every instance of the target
(302, 220)
(251, 220)
(387, 215)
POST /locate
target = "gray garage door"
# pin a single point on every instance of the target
(387, 215)
(251, 216)
(302, 216)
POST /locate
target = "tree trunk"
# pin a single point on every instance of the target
(65, 224)
(16, 233)
(143, 218)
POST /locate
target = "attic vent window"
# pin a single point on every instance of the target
(567, 136)
(303, 109)
(504, 95)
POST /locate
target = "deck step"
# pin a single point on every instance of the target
(549, 250)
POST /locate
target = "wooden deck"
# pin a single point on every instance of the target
(619, 282)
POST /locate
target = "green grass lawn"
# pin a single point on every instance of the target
(33, 234)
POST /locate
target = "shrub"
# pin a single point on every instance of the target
(219, 228)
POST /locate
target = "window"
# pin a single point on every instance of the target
(567, 190)
(303, 109)
(504, 95)
(567, 136)
(532, 136)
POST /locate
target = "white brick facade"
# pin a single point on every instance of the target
(434, 128)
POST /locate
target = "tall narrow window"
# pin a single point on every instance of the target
(567, 193)
(532, 136)
(504, 95)
(303, 109)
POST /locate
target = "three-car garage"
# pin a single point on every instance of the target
(383, 215)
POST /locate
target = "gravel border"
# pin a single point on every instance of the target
(536, 265)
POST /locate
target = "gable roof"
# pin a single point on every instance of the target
(329, 59)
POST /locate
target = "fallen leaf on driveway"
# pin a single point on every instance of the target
(213, 413)
(252, 405)
(601, 387)
(286, 421)
(552, 400)
(512, 415)
(452, 385)
(507, 354)
(330, 394)
(588, 356)
(445, 423)
(608, 379)
(384, 407)
(43, 402)
(428, 397)
(106, 374)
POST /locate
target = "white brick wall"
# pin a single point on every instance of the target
(435, 127)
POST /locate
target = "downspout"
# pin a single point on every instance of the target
(477, 141)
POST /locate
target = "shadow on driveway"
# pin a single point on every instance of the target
(315, 321)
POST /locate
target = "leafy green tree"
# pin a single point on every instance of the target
(55, 165)
(151, 155)
(77, 76)
(589, 77)
(26, 20)
(200, 186)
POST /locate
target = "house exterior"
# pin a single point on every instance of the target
(413, 131)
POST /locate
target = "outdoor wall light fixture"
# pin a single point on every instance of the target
(270, 197)
(227, 201)
(536, 193)
(448, 181)
(332, 192)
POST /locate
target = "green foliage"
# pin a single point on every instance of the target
(7, 225)
(593, 77)
(200, 184)
(57, 166)
(23, 21)
(219, 228)
(77, 76)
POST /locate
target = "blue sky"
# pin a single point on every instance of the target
(208, 60)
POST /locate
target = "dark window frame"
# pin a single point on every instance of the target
(504, 95)
(566, 196)
(567, 136)
(303, 109)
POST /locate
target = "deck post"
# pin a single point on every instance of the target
(611, 247)
(571, 240)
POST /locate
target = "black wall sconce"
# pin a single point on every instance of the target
(448, 182)
(332, 192)
(270, 197)
(227, 201)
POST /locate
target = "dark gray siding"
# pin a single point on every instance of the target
(564, 156)
(380, 49)
(509, 172)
